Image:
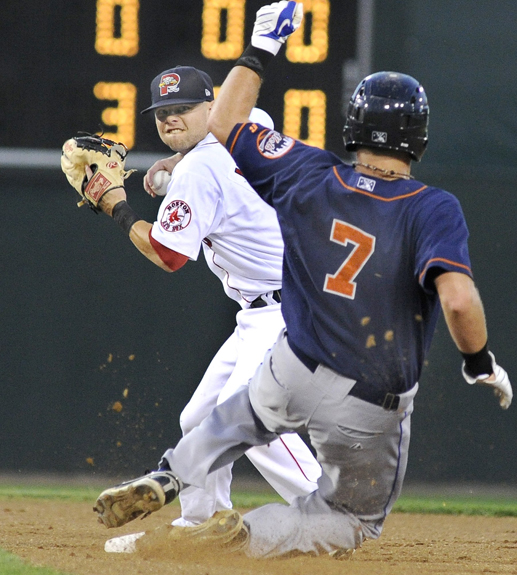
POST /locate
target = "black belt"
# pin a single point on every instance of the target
(389, 401)
(259, 302)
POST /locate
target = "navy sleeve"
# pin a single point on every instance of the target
(273, 162)
(442, 242)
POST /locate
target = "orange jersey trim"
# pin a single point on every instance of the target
(450, 262)
(365, 193)
(236, 137)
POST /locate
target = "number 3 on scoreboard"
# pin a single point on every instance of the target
(342, 282)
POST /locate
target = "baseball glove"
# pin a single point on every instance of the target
(105, 158)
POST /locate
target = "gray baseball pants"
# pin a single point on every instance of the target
(361, 447)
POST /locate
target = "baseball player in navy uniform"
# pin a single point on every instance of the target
(371, 256)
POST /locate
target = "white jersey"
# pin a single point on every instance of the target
(210, 204)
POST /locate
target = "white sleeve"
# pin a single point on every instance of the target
(188, 213)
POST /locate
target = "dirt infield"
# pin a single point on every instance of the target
(65, 536)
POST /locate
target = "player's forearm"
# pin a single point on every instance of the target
(467, 328)
(463, 311)
(139, 235)
(115, 205)
(111, 199)
(234, 102)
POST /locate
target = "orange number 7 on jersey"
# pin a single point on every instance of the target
(342, 282)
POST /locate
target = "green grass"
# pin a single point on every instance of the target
(76, 494)
(89, 494)
(488, 507)
(12, 565)
(452, 505)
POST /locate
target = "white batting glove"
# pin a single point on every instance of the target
(499, 381)
(275, 23)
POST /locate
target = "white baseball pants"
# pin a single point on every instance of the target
(286, 463)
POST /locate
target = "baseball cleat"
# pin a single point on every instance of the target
(139, 497)
(225, 529)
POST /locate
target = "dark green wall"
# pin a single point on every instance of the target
(74, 291)
(463, 52)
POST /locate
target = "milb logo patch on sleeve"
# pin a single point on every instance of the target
(273, 144)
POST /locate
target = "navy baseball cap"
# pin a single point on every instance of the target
(180, 85)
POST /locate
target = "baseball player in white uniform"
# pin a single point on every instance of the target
(209, 204)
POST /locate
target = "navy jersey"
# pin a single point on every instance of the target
(358, 295)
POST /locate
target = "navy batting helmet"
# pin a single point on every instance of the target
(388, 110)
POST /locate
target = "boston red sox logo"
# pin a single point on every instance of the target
(176, 216)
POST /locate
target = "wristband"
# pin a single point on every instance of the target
(124, 215)
(479, 363)
(255, 59)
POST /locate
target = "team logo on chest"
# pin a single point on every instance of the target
(274, 145)
(176, 216)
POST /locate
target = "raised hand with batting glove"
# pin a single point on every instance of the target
(274, 24)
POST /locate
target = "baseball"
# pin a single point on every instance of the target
(160, 182)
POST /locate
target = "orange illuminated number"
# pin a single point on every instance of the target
(314, 102)
(123, 115)
(107, 41)
(342, 282)
(316, 19)
(223, 29)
